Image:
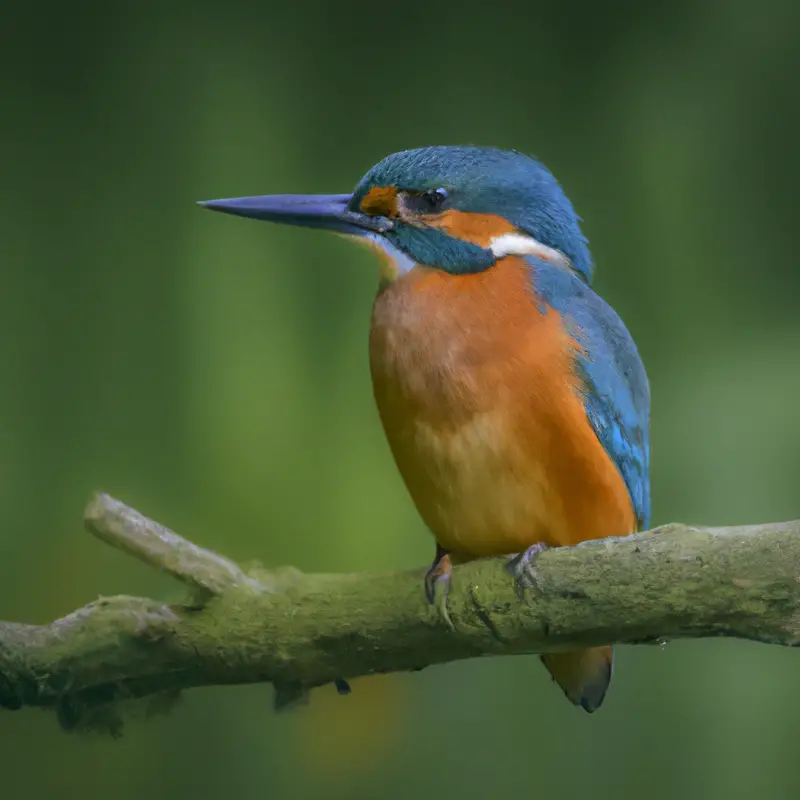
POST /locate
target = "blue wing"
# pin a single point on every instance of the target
(616, 390)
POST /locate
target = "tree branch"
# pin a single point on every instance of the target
(299, 631)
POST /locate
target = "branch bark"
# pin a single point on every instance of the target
(299, 631)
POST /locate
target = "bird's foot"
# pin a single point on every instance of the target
(521, 566)
(437, 584)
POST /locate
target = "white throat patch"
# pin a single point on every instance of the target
(518, 244)
(394, 262)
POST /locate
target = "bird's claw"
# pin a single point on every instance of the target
(521, 566)
(437, 585)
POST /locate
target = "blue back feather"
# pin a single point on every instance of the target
(616, 391)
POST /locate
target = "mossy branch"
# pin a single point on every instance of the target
(299, 631)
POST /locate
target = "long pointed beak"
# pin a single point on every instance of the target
(328, 211)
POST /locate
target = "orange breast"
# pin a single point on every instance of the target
(478, 397)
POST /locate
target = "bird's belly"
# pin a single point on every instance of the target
(483, 415)
(475, 487)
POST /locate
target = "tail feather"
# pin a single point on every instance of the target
(584, 675)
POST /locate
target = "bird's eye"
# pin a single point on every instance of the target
(426, 202)
(434, 198)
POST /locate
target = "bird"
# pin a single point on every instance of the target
(513, 398)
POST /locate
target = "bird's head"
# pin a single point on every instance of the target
(454, 208)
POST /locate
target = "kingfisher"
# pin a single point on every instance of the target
(513, 398)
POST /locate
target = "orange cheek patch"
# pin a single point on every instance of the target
(380, 201)
(478, 229)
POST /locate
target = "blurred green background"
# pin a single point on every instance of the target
(213, 373)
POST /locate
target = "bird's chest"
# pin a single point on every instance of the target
(464, 397)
